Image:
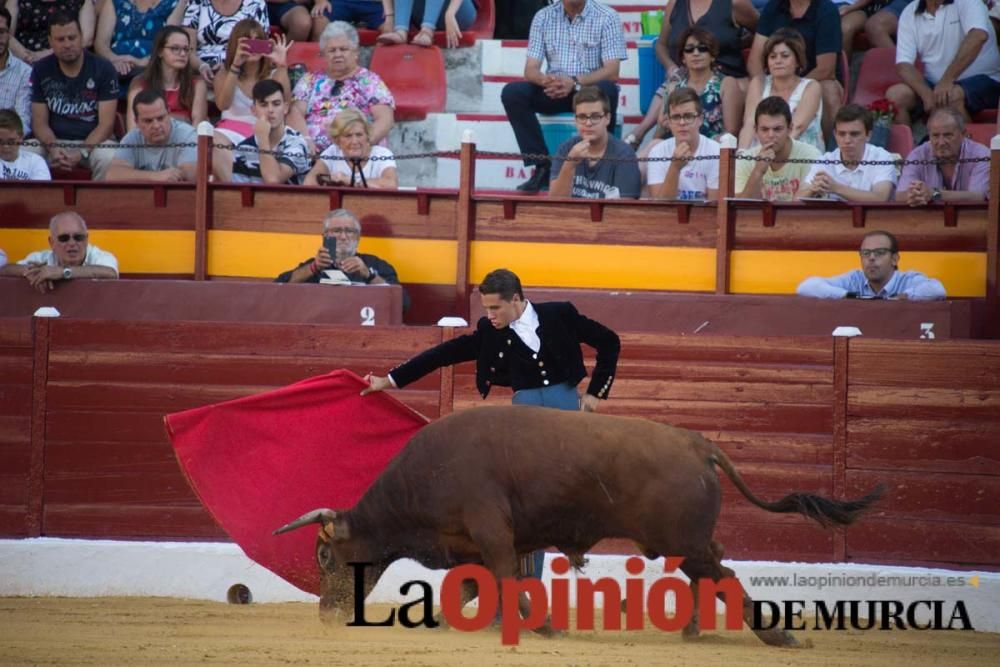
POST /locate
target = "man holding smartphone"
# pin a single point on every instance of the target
(341, 235)
(594, 164)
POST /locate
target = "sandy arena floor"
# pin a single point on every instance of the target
(146, 631)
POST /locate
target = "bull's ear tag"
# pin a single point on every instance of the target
(328, 530)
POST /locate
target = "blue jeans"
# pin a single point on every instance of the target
(558, 396)
(432, 13)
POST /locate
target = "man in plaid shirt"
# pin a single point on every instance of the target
(582, 43)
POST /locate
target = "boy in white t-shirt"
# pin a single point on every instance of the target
(684, 177)
(848, 179)
(16, 164)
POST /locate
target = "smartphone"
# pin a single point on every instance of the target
(262, 46)
(330, 243)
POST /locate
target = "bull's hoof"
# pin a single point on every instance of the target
(547, 632)
(691, 633)
(783, 639)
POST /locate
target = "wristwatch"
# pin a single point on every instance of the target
(372, 275)
(85, 153)
(576, 84)
(67, 273)
(936, 194)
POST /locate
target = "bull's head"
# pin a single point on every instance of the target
(335, 548)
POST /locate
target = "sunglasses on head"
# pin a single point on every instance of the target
(64, 238)
(700, 48)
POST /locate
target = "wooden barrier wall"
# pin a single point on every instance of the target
(85, 454)
(441, 242)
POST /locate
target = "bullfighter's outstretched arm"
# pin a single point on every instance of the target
(454, 351)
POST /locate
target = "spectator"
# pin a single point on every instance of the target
(317, 98)
(583, 44)
(70, 256)
(292, 16)
(74, 95)
(234, 85)
(363, 13)
(169, 71)
(693, 171)
(878, 278)
(818, 21)
(30, 25)
(726, 20)
(15, 76)
(3, 258)
(210, 24)
(17, 164)
(956, 42)
(125, 32)
(601, 166)
(880, 28)
(784, 59)
(772, 177)
(853, 16)
(721, 97)
(349, 159)
(274, 153)
(848, 179)
(342, 225)
(142, 155)
(938, 173)
(457, 16)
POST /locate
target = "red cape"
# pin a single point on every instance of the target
(258, 462)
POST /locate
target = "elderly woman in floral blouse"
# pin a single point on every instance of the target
(317, 98)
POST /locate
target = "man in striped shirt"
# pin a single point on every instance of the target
(582, 43)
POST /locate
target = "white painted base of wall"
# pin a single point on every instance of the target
(98, 568)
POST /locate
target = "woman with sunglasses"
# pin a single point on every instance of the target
(784, 60)
(170, 70)
(348, 160)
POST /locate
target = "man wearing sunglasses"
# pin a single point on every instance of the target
(70, 257)
(593, 164)
(878, 277)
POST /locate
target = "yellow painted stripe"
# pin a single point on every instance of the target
(266, 254)
(597, 266)
(137, 251)
(779, 272)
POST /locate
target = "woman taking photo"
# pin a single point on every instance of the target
(170, 70)
(784, 60)
(348, 160)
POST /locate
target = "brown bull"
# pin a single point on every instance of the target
(487, 484)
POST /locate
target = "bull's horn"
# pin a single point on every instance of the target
(321, 516)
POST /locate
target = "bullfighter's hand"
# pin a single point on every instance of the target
(323, 259)
(375, 383)
(589, 403)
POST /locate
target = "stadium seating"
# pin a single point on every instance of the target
(877, 73)
(900, 139)
(307, 53)
(981, 132)
(415, 75)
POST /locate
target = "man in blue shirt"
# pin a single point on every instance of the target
(582, 43)
(878, 277)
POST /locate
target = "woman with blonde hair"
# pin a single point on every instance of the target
(170, 71)
(351, 160)
(784, 60)
(235, 81)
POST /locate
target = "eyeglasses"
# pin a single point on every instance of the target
(179, 50)
(347, 231)
(64, 238)
(684, 117)
(591, 119)
(876, 252)
(700, 48)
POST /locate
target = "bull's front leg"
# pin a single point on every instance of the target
(469, 592)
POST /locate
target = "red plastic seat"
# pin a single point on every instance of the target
(900, 139)
(987, 116)
(981, 132)
(307, 53)
(876, 75)
(415, 75)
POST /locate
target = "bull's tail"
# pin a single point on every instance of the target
(824, 511)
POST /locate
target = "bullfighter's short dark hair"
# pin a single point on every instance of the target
(503, 282)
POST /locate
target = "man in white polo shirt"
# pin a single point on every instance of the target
(957, 44)
(847, 179)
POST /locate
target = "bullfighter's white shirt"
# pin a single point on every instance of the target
(526, 327)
